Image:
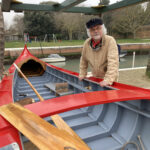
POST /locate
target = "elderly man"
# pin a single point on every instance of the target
(101, 53)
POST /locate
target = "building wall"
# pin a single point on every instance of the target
(13, 38)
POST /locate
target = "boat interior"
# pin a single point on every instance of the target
(112, 126)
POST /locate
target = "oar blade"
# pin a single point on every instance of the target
(38, 131)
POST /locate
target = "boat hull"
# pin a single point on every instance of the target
(105, 118)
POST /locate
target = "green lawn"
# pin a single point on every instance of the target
(16, 44)
(133, 40)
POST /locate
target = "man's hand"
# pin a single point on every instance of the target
(81, 78)
(104, 83)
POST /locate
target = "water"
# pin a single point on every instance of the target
(140, 61)
(125, 62)
(7, 67)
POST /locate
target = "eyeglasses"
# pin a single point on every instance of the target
(96, 28)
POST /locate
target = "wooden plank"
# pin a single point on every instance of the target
(49, 8)
(60, 88)
(6, 4)
(57, 87)
(68, 4)
(41, 133)
(62, 125)
(121, 4)
(86, 10)
(25, 101)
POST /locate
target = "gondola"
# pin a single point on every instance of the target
(105, 118)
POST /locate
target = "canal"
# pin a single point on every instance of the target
(125, 62)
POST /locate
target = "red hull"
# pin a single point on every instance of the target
(8, 134)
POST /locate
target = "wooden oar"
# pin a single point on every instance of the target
(39, 96)
(60, 123)
(44, 135)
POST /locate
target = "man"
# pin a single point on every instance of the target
(101, 53)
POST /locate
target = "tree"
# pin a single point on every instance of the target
(1, 42)
(19, 24)
(130, 20)
(66, 22)
(148, 66)
(148, 23)
(148, 12)
(104, 2)
(6, 26)
(107, 17)
(39, 23)
(71, 23)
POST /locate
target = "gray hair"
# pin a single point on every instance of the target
(103, 28)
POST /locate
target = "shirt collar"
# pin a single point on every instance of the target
(94, 44)
(103, 40)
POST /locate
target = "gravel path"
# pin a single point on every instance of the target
(135, 77)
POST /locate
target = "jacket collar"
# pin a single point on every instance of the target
(103, 40)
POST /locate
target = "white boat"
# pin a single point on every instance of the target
(58, 64)
(122, 54)
(54, 58)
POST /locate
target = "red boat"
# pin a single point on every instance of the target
(107, 118)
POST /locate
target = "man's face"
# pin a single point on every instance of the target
(96, 32)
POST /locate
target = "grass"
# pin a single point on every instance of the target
(17, 44)
(133, 40)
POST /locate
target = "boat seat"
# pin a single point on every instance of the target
(53, 87)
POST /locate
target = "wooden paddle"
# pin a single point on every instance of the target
(39, 96)
(60, 123)
(44, 135)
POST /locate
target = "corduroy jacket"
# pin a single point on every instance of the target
(104, 62)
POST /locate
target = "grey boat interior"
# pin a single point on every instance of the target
(112, 126)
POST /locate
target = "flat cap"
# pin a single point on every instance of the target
(93, 22)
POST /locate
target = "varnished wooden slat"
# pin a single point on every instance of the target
(41, 133)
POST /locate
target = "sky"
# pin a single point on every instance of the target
(8, 16)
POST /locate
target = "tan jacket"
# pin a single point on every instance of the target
(104, 62)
